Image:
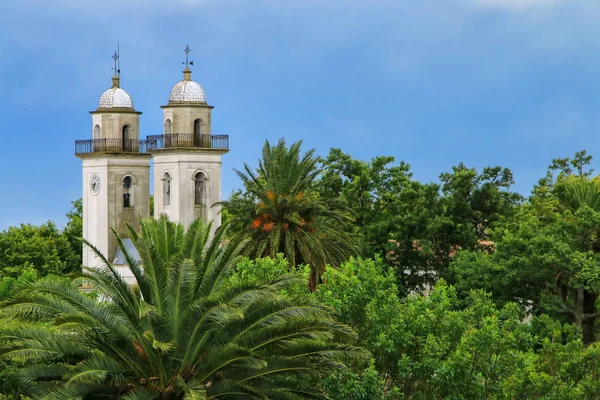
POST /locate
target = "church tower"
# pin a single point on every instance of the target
(116, 174)
(187, 157)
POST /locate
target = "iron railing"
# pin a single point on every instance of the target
(187, 140)
(110, 146)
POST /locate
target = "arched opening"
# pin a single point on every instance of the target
(166, 181)
(200, 189)
(198, 132)
(97, 132)
(127, 200)
(125, 135)
(168, 127)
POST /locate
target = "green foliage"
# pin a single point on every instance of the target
(518, 319)
(359, 384)
(417, 227)
(42, 248)
(263, 271)
(282, 213)
(364, 295)
(184, 331)
(578, 165)
(474, 202)
(73, 233)
(427, 346)
(392, 210)
(548, 258)
(438, 347)
(45, 248)
(7, 284)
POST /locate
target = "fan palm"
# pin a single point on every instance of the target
(183, 332)
(284, 214)
(576, 192)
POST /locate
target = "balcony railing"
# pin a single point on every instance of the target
(187, 140)
(110, 146)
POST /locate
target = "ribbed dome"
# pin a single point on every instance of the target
(115, 98)
(187, 91)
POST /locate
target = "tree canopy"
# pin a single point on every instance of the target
(459, 288)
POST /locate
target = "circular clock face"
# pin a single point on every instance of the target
(95, 184)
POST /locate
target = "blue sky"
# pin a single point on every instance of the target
(431, 82)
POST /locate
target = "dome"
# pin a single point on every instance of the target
(187, 91)
(115, 97)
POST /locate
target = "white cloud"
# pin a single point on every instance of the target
(517, 4)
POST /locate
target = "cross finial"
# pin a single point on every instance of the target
(115, 57)
(187, 54)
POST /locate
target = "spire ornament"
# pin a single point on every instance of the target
(187, 72)
(187, 54)
(115, 57)
(116, 68)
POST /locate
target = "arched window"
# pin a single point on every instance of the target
(198, 133)
(127, 201)
(168, 127)
(97, 132)
(125, 134)
(200, 189)
(166, 180)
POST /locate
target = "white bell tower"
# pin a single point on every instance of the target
(187, 157)
(116, 174)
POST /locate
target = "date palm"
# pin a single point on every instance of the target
(182, 332)
(282, 213)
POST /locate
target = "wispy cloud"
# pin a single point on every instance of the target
(518, 4)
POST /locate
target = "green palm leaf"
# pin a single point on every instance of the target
(287, 215)
(184, 332)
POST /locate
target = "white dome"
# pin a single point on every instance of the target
(115, 97)
(187, 91)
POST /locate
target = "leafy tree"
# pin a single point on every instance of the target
(562, 368)
(286, 215)
(417, 227)
(439, 347)
(541, 267)
(42, 248)
(359, 383)
(10, 387)
(183, 331)
(7, 284)
(396, 216)
(45, 248)
(73, 232)
(428, 347)
(547, 258)
(578, 165)
(262, 271)
(474, 202)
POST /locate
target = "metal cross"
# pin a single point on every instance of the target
(115, 57)
(187, 53)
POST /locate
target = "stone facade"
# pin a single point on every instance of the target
(116, 168)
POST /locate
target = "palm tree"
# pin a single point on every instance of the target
(580, 195)
(576, 192)
(282, 213)
(183, 332)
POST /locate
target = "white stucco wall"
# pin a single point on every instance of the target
(105, 210)
(183, 166)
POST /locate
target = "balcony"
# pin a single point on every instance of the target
(187, 140)
(110, 146)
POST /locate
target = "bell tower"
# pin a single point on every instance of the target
(187, 157)
(116, 173)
